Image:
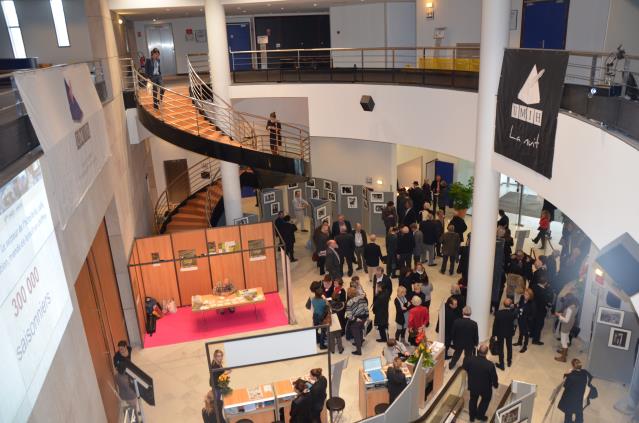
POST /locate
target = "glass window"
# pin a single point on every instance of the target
(11, 18)
(60, 23)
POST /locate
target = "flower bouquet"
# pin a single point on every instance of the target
(224, 383)
(423, 351)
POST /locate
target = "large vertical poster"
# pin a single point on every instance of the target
(528, 102)
(68, 119)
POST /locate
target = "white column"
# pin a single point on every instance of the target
(495, 19)
(220, 73)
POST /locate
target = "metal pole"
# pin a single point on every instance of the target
(137, 394)
(593, 70)
(521, 199)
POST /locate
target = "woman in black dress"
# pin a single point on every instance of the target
(318, 393)
(526, 318)
(302, 405)
(274, 128)
(401, 313)
(216, 372)
(571, 402)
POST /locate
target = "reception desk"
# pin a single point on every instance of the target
(256, 404)
(285, 394)
(373, 393)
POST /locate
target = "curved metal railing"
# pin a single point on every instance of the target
(292, 141)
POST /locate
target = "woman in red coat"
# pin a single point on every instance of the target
(418, 317)
(544, 228)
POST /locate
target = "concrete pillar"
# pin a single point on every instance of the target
(220, 74)
(495, 19)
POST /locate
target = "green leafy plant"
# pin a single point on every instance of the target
(424, 352)
(461, 194)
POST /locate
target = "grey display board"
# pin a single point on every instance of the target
(609, 359)
(377, 200)
(247, 219)
(271, 201)
(520, 403)
(321, 210)
(349, 199)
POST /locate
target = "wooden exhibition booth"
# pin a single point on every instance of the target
(180, 265)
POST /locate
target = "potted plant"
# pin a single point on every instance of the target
(461, 195)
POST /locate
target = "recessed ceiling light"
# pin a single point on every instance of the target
(154, 20)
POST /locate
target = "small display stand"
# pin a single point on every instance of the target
(284, 396)
(372, 385)
(256, 404)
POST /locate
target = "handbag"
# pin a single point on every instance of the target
(492, 345)
(369, 327)
(308, 303)
(326, 320)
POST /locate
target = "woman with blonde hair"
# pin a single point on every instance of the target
(401, 313)
(211, 411)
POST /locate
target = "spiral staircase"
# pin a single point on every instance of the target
(193, 117)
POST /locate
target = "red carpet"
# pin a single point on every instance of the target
(186, 325)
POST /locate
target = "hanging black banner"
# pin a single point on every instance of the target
(528, 101)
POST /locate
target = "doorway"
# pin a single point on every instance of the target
(102, 316)
(239, 39)
(161, 37)
(544, 24)
(176, 175)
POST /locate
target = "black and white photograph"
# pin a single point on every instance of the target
(328, 185)
(377, 197)
(365, 204)
(310, 183)
(352, 202)
(320, 213)
(510, 415)
(315, 194)
(292, 186)
(378, 208)
(610, 316)
(241, 221)
(275, 208)
(346, 189)
(619, 338)
(269, 197)
(332, 196)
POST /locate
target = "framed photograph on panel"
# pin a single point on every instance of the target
(332, 196)
(315, 194)
(292, 186)
(320, 213)
(377, 197)
(352, 202)
(275, 208)
(269, 197)
(619, 338)
(328, 185)
(378, 208)
(346, 189)
(310, 183)
(241, 221)
(610, 316)
(511, 414)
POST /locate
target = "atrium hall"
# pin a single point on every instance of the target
(315, 211)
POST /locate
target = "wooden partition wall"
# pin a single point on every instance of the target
(180, 265)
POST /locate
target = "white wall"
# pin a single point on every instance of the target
(352, 161)
(182, 47)
(289, 110)
(462, 19)
(412, 170)
(162, 150)
(623, 26)
(38, 32)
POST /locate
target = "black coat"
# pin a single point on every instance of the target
(380, 307)
(543, 300)
(430, 229)
(575, 384)
(410, 217)
(465, 333)
(372, 254)
(333, 264)
(526, 314)
(482, 376)
(318, 393)
(460, 226)
(399, 313)
(405, 243)
(450, 315)
(335, 228)
(504, 323)
(302, 409)
(417, 195)
(148, 69)
(346, 243)
(428, 196)
(287, 230)
(320, 239)
(396, 383)
(503, 221)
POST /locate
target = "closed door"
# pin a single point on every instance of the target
(161, 37)
(239, 39)
(544, 24)
(176, 174)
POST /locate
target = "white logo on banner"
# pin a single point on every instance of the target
(529, 94)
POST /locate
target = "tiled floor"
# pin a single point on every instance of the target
(181, 378)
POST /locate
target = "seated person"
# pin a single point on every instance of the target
(395, 349)
(225, 288)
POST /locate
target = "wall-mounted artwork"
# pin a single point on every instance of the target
(328, 185)
(292, 186)
(275, 208)
(310, 183)
(619, 338)
(315, 194)
(378, 208)
(351, 202)
(610, 316)
(332, 196)
(320, 213)
(346, 189)
(269, 197)
(377, 197)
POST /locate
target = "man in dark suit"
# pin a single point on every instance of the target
(416, 194)
(405, 247)
(333, 261)
(465, 337)
(372, 256)
(382, 289)
(543, 301)
(503, 219)
(482, 378)
(396, 380)
(340, 223)
(287, 230)
(430, 230)
(503, 330)
(360, 243)
(154, 73)
(346, 243)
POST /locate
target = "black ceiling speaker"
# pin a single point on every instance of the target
(620, 260)
(367, 103)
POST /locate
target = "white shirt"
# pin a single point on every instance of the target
(359, 240)
(299, 203)
(156, 67)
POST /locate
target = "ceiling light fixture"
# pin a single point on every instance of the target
(430, 10)
(120, 21)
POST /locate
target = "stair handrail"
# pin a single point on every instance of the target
(164, 207)
(294, 139)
